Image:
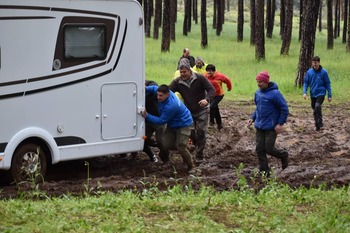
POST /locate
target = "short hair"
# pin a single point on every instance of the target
(316, 58)
(186, 49)
(210, 67)
(164, 89)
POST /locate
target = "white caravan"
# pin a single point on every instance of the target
(71, 82)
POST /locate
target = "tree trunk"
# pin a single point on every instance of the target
(187, 17)
(219, 21)
(310, 14)
(259, 31)
(195, 11)
(270, 17)
(252, 22)
(301, 7)
(173, 7)
(320, 18)
(215, 13)
(336, 19)
(330, 39)
(287, 34)
(204, 30)
(157, 18)
(147, 16)
(240, 21)
(282, 17)
(165, 47)
(348, 41)
(346, 14)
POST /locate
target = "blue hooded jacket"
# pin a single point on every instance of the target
(172, 111)
(318, 81)
(271, 108)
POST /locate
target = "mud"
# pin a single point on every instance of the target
(316, 158)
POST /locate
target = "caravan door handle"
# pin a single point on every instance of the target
(104, 116)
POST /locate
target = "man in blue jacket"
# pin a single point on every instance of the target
(317, 79)
(269, 116)
(178, 119)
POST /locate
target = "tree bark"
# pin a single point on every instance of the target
(204, 30)
(165, 46)
(187, 18)
(320, 18)
(282, 17)
(252, 22)
(287, 34)
(219, 21)
(346, 15)
(330, 38)
(310, 14)
(270, 17)
(157, 18)
(240, 21)
(259, 31)
(147, 16)
(173, 7)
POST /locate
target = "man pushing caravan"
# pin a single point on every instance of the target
(65, 77)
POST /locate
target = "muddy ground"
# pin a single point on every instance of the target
(316, 158)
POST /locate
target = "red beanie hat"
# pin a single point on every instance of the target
(263, 76)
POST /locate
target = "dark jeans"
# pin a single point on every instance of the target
(316, 104)
(265, 144)
(150, 129)
(200, 121)
(176, 139)
(215, 111)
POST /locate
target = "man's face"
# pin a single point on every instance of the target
(162, 96)
(185, 74)
(187, 53)
(199, 64)
(210, 73)
(316, 65)
(262, 85)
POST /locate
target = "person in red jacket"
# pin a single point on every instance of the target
(217, 79)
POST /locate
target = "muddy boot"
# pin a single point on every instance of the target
(284, 161)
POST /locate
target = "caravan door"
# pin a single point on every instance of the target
(119, 109)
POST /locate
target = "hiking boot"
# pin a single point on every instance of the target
(284, 161)
(220, 127)
(154, 159)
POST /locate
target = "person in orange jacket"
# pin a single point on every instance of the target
(217, 79)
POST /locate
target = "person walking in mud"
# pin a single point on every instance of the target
(318, 80)
(178, 119)
(269, 116)
(217, 79)
(158, 130)
(196, 92)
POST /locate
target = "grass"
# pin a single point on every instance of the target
(276, 208)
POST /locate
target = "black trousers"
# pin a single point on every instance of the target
(265, 144)
(316, 104)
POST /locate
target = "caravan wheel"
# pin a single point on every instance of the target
(28, 164)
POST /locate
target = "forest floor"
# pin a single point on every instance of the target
(316, 158)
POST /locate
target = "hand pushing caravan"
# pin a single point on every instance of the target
(71, 82)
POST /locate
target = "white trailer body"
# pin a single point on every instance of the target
(71, 81)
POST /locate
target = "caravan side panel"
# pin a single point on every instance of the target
(74, 72)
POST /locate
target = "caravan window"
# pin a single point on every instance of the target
(84, 42)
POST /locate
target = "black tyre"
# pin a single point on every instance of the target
(28, 163)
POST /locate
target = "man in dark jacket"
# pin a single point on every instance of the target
(186, 54)
(178, 119)
(196, 92)
(158, 130)
(269, 116)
